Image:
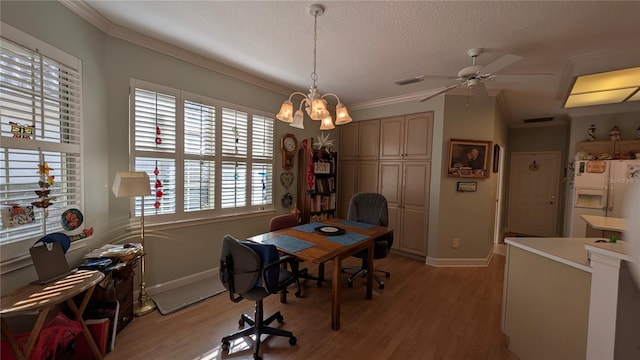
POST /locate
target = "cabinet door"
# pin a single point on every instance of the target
(415, 207)
(390, 185)
(349, 141)
(346, 186)
(369, 140)
(391, 138)
(627, 147)
(367, 176)
(596, 147)
(418, 134)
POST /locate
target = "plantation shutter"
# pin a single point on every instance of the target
(199, 150)
(40, 117)
(155, 147)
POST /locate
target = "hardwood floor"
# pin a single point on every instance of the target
(423, 313)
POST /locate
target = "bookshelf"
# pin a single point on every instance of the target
(317, 185)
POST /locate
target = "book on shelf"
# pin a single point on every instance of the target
(109, 309)
(99, 329)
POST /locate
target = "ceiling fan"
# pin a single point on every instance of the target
(473, 77)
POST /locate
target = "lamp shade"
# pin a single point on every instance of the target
(131, 183)
(298, 120)
(327, 123)
(342, 115)
(286, 111)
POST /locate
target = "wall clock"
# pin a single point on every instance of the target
(289, 146)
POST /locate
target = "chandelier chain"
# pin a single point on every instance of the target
(314, 75)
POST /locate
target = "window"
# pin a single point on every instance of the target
(211, 157)
(40, 118)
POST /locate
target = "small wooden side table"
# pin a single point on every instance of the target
(43, 298)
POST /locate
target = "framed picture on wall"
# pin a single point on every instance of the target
(469, 158)
(496, 158)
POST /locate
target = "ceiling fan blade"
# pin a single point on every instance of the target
(412, 80)
(499, 64)
(438, 92)
(521, 78)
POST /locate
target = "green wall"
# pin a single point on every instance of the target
(174, 250)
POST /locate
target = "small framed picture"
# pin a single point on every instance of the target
(467, 186)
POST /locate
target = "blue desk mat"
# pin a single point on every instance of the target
(310, 227)
(346, 239)
(289, 243)
(356, 224)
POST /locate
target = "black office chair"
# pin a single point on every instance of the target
(284, 221)
(253, 272)
(370, 208)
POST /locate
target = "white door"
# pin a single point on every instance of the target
(534, 184)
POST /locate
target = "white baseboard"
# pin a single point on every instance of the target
(460, 262)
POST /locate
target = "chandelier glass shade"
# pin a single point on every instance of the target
(313, 103)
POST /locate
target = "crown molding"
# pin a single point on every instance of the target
(87, 13)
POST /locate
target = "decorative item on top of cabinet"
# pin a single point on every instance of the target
(615, 133)
(317, 185)
(592, 133)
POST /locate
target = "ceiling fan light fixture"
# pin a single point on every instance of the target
(314, 103)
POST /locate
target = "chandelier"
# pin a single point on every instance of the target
(314, 104)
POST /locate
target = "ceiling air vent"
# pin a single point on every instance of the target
(537, 120)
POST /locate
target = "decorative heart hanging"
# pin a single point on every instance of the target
(286, 179)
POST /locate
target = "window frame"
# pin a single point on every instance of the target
(180, 215)
(14, 254)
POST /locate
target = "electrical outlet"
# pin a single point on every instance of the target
(455, 243)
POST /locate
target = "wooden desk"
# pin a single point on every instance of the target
(324, 250)
(43, 298)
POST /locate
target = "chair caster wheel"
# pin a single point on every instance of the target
(241, 323)
(225, 346)
(280, 319)
(257, 357)
(349, 284)
(381, 286)
(293, 340)
(387, 275)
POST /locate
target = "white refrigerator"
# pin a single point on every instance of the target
(601, 188)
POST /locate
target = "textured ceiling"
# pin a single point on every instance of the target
(364, 46)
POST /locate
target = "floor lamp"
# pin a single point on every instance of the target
(127, 184)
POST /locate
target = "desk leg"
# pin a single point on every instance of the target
(85, 330)
(9, 335)
(335, 294)
(370, 271)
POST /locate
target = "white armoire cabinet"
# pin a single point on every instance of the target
(391, 156)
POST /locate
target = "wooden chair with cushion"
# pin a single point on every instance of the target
(285, 221)
(254, 271)
(370, 208)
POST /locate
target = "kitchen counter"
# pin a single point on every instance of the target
(560, 297)
(603, 226)
(568, 251)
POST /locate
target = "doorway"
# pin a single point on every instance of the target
(534, 183)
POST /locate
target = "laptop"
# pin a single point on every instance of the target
(50, 262)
